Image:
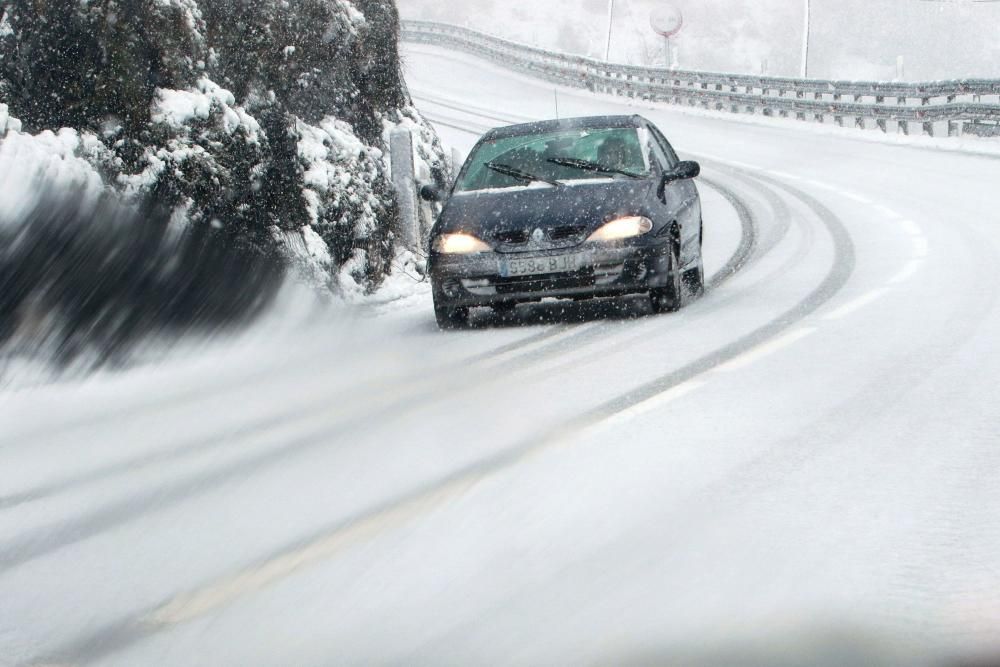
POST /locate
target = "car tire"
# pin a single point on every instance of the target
(451, 318)
(670, 298)
(694, 281)
(694, 278)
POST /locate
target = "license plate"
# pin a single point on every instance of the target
(534, 266)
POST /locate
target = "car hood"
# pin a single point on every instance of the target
(584, 203)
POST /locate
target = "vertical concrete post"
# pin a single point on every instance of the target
(405, 185)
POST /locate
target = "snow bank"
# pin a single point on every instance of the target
(309, 255)
(30, 164)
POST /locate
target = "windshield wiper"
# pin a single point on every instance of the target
(587, 165)
(514, 172)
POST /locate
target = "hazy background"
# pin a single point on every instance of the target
(853, 39)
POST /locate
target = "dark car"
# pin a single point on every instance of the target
(577, 208)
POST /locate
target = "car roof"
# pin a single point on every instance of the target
(582, 123)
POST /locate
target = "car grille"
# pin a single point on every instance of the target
(543, 283)
(600, 275)
(555, 237)
(515, 237)
(566, 232)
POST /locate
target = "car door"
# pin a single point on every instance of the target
(680, 198)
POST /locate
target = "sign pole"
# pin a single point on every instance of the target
(666, 21)
(805, 45)
(611, 20)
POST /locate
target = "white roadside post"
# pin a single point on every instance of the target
(404, 182)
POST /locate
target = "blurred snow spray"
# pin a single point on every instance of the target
(87, 278)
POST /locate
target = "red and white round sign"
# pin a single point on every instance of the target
(666, 20)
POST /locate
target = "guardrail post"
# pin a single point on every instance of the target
(405, 184)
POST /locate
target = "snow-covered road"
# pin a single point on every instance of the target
(811, 447)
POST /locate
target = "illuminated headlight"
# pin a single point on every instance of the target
(622, 228)
(459, 244)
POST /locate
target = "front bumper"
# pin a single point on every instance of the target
(475, 280)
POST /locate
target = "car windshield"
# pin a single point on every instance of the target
(562, 155)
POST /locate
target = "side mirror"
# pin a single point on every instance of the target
(431, 193)
(682, 172)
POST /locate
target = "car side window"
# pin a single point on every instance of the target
(657, 154)
(665, 148)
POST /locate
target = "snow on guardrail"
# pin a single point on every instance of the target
(970, 106)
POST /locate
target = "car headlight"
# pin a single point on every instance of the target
(459, 244)
(622, 228)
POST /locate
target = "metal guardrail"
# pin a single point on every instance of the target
(954, 108)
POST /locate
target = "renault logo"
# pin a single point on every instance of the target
(538, 236)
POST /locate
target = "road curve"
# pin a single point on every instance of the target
(808, 446)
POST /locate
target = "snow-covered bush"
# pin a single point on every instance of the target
(346, 197)
(85, 63)
(189, 151)
(264, 118)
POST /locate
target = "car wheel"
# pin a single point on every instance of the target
(694, 278)
(451, 318)
(670, 298)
